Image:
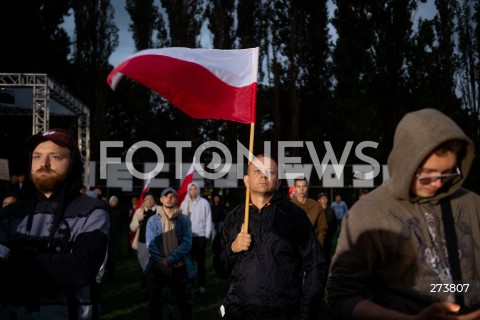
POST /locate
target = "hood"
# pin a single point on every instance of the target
(70, 188)
(187, 196)
(178, 213)
(416, 136)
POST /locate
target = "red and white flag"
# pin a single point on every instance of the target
(203, 83)
(145, 189)
(182, 191)
(139, 204)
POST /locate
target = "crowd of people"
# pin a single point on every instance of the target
(284, 253)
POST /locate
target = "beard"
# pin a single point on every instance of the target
(49, 183)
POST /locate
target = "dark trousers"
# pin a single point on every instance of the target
(161, 289)
(199, 252)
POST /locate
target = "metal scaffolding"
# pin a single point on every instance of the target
(44, 89)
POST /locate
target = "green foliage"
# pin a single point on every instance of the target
(145, 14)
(32, 39)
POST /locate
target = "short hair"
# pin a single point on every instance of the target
(321, 195)
(300, 179)
(455, 146)
(261, 155)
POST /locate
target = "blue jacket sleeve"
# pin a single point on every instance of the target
(154, 230)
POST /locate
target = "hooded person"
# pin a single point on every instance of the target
(57, 237)
(200, 213)
(393, 251)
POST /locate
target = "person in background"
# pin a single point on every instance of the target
(57, 237)
(340, 208)
(314, 211)
(218, 214)
(332, 226)
(409, 249)
(361, 193)
(276, 267)
(199, 211)
(291, 192)
(21, 181)
(13, 185)
(131, 210)
(170, 266)
(99, 193)
(138, 225)
(114, 239)
(132, 207)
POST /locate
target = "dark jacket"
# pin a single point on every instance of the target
(58, 268)
(282, 275)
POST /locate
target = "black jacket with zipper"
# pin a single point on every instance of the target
(282, 275)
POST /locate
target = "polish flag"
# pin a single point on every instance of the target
(140, 199)
(182, 191)
(139, 204)
(203, 83)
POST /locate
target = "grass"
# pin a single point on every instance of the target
(121, 301)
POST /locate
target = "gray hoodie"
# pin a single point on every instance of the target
(199, 212)
(392, 246)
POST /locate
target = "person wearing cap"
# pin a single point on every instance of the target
(332, 226)
(57, 237)
(138, 225)
(199, 211)
(276, 266)
(409, 249)
(170, 265)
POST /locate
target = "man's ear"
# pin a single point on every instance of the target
(245, 181)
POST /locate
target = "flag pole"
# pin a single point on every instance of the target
(250, 158)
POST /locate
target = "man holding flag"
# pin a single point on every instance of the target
(277, 268)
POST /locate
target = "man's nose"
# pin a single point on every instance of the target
(437, 183)
(45, 162)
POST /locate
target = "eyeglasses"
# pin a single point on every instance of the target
(425, 180)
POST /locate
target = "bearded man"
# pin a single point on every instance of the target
(55, 238)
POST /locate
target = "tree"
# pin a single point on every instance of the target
(293, 41)
(96, 39)
(468, 48)
(392, 25)
(469, 75)
(33, 38)
(220, 15)
(33, 41)
(353, 72)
